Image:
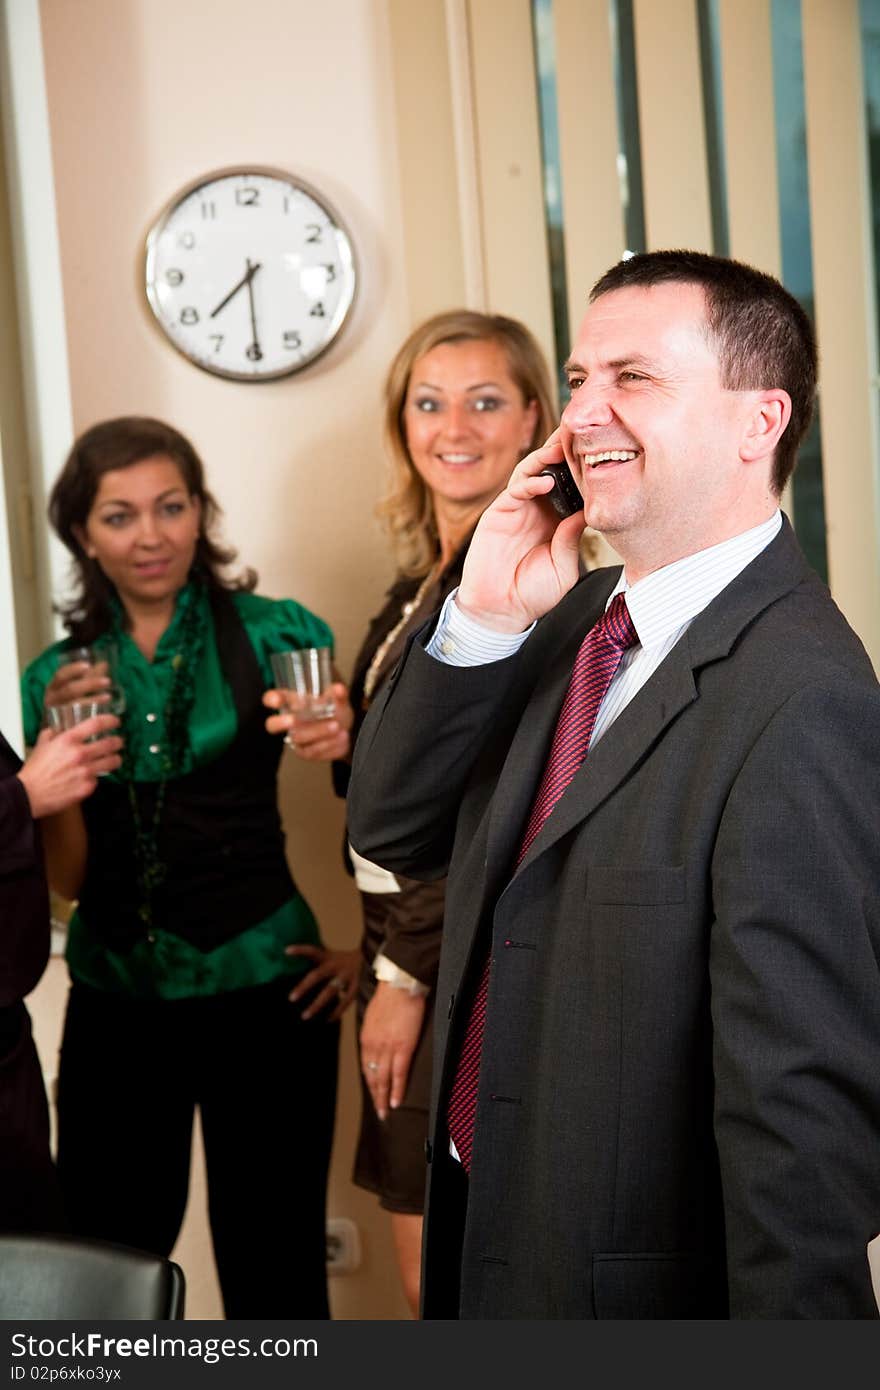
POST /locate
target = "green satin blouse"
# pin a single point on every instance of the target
(170, 968)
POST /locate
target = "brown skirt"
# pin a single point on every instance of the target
(390, 1156)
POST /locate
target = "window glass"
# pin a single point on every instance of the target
(629, 162)
(797, 259)
(629, 156)
(713, 113)
(870, 18)
(545, 63)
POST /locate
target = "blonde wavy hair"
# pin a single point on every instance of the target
(407, 510)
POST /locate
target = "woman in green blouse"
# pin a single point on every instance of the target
(198, 976)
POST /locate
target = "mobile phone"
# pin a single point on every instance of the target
(565, 495)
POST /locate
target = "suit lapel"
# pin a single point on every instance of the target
(631, 737)
(555, 651)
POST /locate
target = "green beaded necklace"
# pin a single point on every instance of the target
(193, 617)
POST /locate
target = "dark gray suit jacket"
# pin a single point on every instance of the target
(679, 1104)
(29, 1199)
(24, 895)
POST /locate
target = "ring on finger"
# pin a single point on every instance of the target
(338, 984)
(371, 1066)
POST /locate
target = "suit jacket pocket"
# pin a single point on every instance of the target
(650, 887)
(657, 1286)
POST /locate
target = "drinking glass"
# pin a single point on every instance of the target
(304, 678)
(63, 717)
(106, 653)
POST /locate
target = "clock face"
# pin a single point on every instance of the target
(250, 273)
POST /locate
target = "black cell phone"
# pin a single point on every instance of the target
(564, 495)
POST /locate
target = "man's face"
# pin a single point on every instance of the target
(645, 386)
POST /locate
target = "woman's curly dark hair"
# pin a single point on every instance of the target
(111, 445)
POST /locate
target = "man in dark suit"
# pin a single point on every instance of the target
(657, 1088)
(61, 770)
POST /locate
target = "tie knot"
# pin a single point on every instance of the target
(618, 625)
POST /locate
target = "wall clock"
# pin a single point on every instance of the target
(250, 273)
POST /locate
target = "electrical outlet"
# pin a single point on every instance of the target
(343, 1245)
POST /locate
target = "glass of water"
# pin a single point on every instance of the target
(68, 715)
(104, 654)
(304, 678)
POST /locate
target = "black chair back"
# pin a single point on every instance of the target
(64, 1277)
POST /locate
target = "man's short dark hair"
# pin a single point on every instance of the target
(761, 334)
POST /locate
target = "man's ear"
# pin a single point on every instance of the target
(765, 424)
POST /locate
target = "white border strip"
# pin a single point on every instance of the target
(25, 126)
(10, 703)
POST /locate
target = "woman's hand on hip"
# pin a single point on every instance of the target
(334, 977)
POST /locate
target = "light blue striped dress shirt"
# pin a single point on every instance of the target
(662, 607)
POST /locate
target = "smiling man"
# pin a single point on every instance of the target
(655, 791)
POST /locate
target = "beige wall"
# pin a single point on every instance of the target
(143, 96)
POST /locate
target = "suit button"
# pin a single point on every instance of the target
(451, 1005)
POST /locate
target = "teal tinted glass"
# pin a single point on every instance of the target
(709, 24)
(797, 260)
(629, 159)
(629, 148)
(870, 25)
(545, 64)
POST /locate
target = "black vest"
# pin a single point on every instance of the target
(219, 836)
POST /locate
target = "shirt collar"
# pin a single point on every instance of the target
(664, 601)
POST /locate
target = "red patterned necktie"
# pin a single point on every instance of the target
(595, 664)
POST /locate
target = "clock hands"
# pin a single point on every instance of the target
(254, 352)
(245, 280)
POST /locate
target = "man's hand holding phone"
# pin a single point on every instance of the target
(564, 496)
(522, 559)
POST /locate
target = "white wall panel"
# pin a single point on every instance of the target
(671, 125)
